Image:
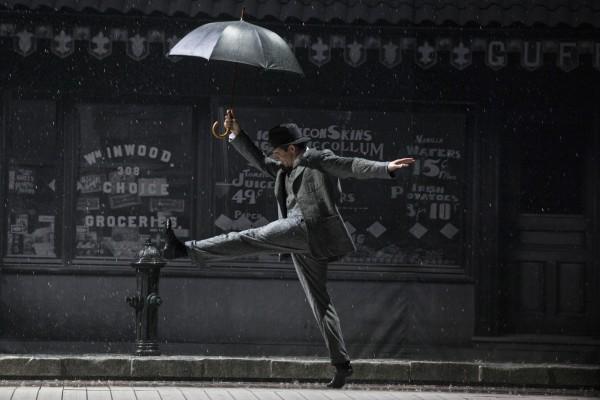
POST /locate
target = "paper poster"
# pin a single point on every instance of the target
(21, 181)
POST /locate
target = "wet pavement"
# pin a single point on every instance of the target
(56, 390)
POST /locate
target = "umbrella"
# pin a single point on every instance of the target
(238, 42)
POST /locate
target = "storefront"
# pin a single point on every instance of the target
(490, 235)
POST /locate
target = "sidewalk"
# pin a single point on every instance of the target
(111, 391)
(383, 371)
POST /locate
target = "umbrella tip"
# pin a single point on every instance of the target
(243, 11)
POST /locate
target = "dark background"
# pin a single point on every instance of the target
(522, 280)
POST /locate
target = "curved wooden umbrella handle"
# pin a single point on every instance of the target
(218, 135)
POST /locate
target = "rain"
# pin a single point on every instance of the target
(299, 199)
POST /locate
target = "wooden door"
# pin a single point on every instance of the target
(548, 199)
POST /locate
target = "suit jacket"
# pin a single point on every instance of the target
(317, 189)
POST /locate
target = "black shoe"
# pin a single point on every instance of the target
(173, 246)
(342, 371)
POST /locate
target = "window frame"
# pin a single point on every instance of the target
(10, 97)
(67, 131)
(204, 111)
(340, 270)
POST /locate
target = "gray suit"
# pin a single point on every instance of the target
(314, 237)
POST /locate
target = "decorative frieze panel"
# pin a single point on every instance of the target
(426, 51)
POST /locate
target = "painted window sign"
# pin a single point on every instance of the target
(416, 219)
(33, 168)
(134, 173)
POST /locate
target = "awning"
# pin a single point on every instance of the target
(551, 13)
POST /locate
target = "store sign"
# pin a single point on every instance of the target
(321, 49)
(128, 187)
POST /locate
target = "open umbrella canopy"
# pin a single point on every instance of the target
(239, 42)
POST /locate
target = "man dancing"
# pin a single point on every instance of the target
(309, 227)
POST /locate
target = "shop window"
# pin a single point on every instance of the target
(416, 219)
(135, 171)
(34, 173)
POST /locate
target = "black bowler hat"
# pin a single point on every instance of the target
(286, 134)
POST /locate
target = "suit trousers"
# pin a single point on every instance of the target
(287, 235)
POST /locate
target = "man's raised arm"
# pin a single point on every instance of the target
(246, 147)
(355, 167)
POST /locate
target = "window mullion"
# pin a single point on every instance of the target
(66, 120)
(3, 171)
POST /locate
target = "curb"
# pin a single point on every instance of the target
(126, 367)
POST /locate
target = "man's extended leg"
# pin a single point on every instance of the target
(313, 278)
(282, 236)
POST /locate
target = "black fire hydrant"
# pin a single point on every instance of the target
(147, 300)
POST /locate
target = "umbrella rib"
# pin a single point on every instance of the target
(264, 63)
(219, 37)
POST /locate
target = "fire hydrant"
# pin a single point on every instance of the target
(147, 300)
